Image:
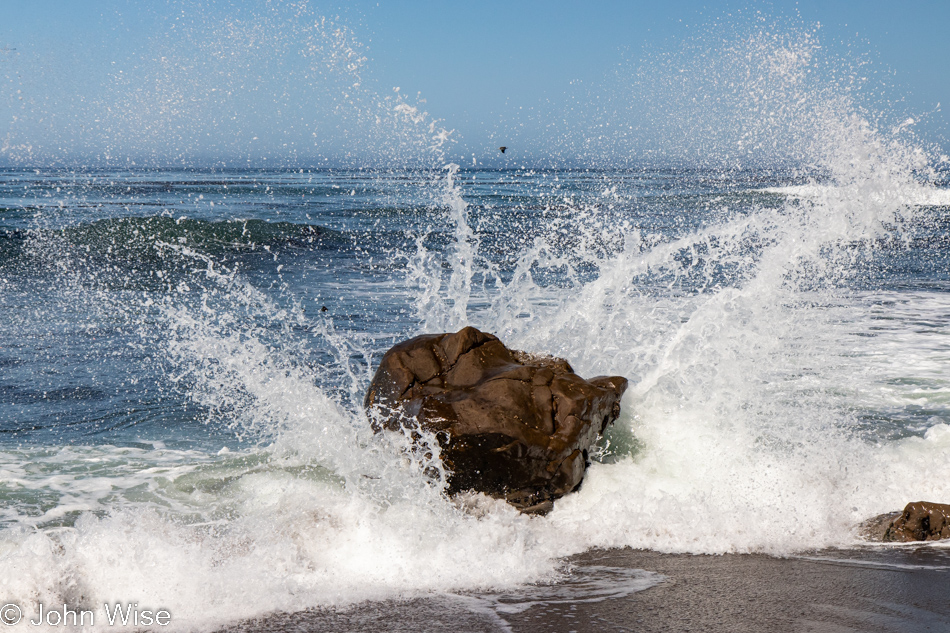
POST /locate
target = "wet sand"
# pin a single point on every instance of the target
(899, 590)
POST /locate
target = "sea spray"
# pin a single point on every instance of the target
(736, 336)
(775, 401)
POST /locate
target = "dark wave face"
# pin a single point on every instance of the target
(134, 237)
(145, 239)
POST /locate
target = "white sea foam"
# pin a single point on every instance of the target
(916, 196)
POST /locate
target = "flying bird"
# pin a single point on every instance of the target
(502, 149)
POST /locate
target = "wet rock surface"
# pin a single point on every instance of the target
(509, 424)
(920, 521)
(875, 528)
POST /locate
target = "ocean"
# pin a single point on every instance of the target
(184, 353)
(184, 356)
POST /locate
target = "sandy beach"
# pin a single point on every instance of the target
(906, 589)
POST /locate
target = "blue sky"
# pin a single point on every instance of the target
(109, 80)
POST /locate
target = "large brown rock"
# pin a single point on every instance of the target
(509, 424)
(920, 521)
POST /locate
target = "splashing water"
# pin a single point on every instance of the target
(741, 337)
(778, 396)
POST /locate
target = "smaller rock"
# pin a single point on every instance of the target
(920, 521)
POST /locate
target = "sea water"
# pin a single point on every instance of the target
(183, 355)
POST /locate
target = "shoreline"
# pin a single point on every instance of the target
(833, 591)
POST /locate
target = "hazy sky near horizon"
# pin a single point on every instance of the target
(212, 81)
